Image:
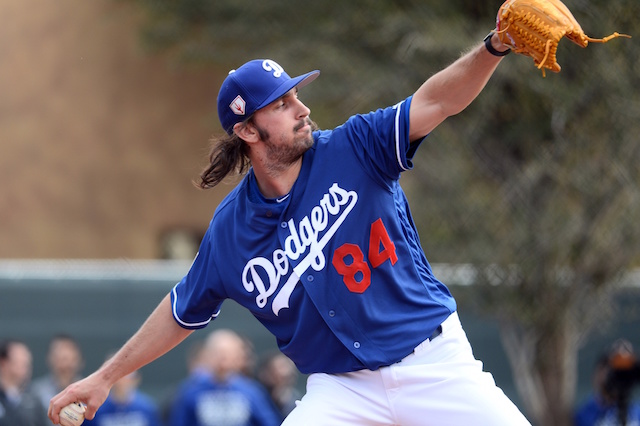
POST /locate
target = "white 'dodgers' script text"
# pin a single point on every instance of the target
(304, 238)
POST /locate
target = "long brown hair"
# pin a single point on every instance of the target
(228, 155)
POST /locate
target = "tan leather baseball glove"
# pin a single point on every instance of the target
(535, 27)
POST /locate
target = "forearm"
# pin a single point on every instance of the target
(159, 334)
(451, 90)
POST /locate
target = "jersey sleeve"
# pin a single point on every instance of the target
(382, 137)
(196, 299)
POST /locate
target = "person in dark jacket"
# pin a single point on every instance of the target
(18, 405)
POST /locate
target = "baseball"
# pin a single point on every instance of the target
(72, 414)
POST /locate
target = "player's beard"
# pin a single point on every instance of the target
(282, 155)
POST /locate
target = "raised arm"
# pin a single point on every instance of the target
(451, 90)
(159, 334)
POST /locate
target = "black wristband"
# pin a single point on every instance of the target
(489, 46)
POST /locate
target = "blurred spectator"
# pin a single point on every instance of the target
(615, 374)
(127, 406)
(196, 366)
(278, 374)
(196, 358)
(248, 360)
(224, 396)
(65, 362)
(18, 405)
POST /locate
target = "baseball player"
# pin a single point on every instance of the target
(318, 243)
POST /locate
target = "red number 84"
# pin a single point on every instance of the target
(356, 274)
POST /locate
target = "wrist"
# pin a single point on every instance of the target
(495, 46)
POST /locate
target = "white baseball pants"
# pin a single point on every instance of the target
(439, 384)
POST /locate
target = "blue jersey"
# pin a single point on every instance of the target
(335, 269)
(140, 410)
(595, 412)
(239, 401)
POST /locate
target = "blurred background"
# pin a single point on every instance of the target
(527, 203)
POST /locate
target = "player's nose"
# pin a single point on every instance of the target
(303, 110)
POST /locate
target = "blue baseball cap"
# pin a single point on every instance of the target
(253, 86)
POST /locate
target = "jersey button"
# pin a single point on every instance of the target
(332, 313)
(310, 278)
(283, 225)
(356, 345)
(269, 213)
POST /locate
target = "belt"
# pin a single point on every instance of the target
(436, 332)
(448, 323)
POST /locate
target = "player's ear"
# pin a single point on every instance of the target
(246, 131)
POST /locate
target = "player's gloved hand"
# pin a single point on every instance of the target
(535, 27)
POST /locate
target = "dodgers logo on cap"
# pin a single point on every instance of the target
(270, 65)
(253, 86)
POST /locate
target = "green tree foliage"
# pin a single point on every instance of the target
(371, 53)
(541, 195)
(535, 184)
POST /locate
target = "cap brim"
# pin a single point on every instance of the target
(282, 90)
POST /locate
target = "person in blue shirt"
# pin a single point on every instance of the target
(126, 405)
(224, 396)
(196, 366)
(278, 374)
(614, 377)
(318, 243)
(65, 363)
